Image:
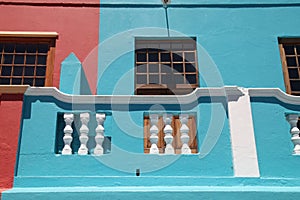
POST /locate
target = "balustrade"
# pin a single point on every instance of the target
(294, 131)
(84, 134)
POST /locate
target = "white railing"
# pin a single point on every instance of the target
(84, 131)
(168, 134)
(294, 131)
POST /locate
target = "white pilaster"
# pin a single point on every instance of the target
(244, 153)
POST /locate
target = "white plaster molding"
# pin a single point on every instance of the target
(69, 118)
(274, 92)
(184, 130)
(84, 130)
(168, 130)
(154, 134)
(135, 99)
(245, 162)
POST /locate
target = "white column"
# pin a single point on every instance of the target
(245, 162)
(293, 120)
(168, 130)
(84, 130)
(67, 150)
(99, 138)
(184, 130)
(154, 134)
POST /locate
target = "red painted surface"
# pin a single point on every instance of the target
(78, 29)
(10, 116)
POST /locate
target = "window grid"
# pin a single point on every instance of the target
(290, 53)
(26, 60)
(164, 63)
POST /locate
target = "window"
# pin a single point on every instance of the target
(176, 125)
(290, 56)
(165, 66)
(27, 58)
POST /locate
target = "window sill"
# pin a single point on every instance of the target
(13, 89)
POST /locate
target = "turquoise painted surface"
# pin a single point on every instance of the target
(238, 43)
(39, 162)
(273, 140)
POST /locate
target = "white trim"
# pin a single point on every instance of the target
(135, 99)
(28, 34)
(245, 162)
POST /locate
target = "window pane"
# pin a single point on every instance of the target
(176, 46)
(289, 49)
(39, 82)
(189, 46)
(153, 79)
(166, 68)
(18, 71)
(153, 57)
(16, 81)
(28, 81)
(153, 68)
(8, 59)
(177, 57)
(141, 79)
(293, 73)
(291, 61)
(141, 57)
(20, 48)
(19, 59)
(42, 60)
(30, 60)
(1, 47)
(9, 48)
(191, 78)
(142, 68)
(6, 71)
(179, 79)
(29, 71)
(295, 85)
(31, 48)
(178, 68)
(189, 67)
(4, 81)
(165, 57)
(189, 56)
(40, 71)
(298, 49)
(43, 48)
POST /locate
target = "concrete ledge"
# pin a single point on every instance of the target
(150, 193)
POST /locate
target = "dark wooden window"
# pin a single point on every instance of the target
(26, 59)
(165, 66)
(177, 144)
(290, 56)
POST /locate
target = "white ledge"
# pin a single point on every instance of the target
(276, 93)
(135, 99)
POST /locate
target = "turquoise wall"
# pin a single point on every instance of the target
(40, 163)
(237, 40)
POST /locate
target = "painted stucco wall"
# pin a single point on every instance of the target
(77, 28)
(38, 161)
(239, 37)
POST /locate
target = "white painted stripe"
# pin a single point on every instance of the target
(245, 161)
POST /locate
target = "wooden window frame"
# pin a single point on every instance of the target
(285, 67)
(176, 125)
(33, 38)
(162, 88)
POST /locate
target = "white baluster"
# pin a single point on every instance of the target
(154, 134)
(84, 130)
(99, 138)
(293, 119)
(184, 130)
(67, 150)
(168, 134)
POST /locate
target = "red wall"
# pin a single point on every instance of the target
(78, 29)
